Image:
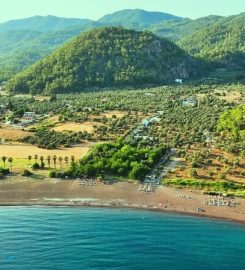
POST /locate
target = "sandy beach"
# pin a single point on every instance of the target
(19, 191)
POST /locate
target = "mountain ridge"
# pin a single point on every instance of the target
(42, 23)
(138, 17)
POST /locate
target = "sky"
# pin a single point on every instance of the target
(94, 9)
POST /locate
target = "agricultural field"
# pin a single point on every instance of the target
(12, 134)
(77, 127)
(185, 118)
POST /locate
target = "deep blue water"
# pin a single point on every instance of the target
(80, 238)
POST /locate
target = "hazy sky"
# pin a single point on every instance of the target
(94, 9)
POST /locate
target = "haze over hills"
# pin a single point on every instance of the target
(42, 23)
(103, 58)
(42, 35)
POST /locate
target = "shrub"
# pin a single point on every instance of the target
(52, 174)
(42, 166)
(4, 171)
(35, 166)
(26, 173)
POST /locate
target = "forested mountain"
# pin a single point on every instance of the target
(136, 18)
(106, 57)
(177, 29)
(222, 43)
(41, 23)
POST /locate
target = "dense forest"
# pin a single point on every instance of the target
(232, 129)
(119, 159)
(106, 57)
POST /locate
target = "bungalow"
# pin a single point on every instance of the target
(190, 102)
(29, 115)
(25, 122)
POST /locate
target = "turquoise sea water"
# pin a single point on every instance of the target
(81, 238)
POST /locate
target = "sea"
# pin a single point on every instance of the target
(98, 238)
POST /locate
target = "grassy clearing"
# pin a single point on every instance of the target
(21, 151)
(224, 187)
(21, 164)
(11, 134)
(76, 127)
(20, 154)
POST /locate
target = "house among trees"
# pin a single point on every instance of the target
(192, 101)
(26, 122)
(29, 115)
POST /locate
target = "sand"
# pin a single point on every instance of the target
(26, 191)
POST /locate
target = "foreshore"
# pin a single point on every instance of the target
(18, 191)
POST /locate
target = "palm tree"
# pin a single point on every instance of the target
(55, 159)
(29, 158)
(4, 160)
(60, 160)
(10, 160)
(36, 158)
(72, 159)
(48, 159)
(66, 159)
(42, 163)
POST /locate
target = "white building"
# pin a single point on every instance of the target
(29, 115)
(180, 81)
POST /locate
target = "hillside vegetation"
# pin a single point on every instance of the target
(232, 128)
(222, 43)
(106, 57)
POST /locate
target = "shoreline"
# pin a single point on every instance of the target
(107, 205)
(26, 192)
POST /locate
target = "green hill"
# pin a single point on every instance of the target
(103, 58)
(222, 43)
(136, 18)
